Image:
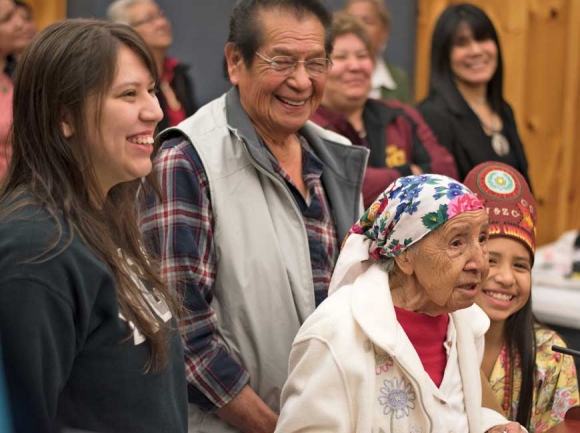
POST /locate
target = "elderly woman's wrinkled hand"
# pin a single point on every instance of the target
(511, 427)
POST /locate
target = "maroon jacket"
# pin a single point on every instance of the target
(397, 137)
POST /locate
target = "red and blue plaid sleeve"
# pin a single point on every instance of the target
(179, 231)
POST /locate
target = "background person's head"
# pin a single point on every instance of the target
(29, 31)
(377, 19)
(79, 138)
(146, 18)
(429, 233)
(281, 95)
(11, 28)
(349, 80)
(465, 51)
(512, 220)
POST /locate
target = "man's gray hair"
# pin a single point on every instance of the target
(117, 10)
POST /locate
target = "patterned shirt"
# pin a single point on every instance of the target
(556, 388)
(180, 231)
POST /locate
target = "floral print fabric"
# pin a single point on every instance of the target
(409, 209)
(557, 385)
(396, 399)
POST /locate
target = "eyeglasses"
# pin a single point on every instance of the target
(148, 19)
(287, 64)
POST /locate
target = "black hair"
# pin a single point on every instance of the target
(444, 35)
(520, 338)
(246, 31)
(21, 4)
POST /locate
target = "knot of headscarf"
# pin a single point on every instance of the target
(409, 209)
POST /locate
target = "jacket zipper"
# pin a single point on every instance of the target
(412, 378)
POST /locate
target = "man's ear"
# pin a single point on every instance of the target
(234, 61)
(405, 262)
(66, 127)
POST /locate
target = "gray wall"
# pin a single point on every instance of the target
(200, 31)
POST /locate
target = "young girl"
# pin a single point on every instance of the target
(88, 333)
(534, 385)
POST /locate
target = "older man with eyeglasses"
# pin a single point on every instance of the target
(256, 201)
(176, 95)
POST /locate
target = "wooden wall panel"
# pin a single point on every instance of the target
(46, 12)
(540, 42)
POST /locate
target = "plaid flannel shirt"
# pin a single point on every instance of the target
(179, 229)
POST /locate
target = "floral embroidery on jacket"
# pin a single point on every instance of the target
(383, 363)
(398, 397)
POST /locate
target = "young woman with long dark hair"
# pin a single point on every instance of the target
(533, 385)
(465, 106)
(89, 335)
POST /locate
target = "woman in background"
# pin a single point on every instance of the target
(11, 29)
(24, 37)
(89, 338)
(399, 140)
(29, 31)
(534, 385)
(175, 89)
(465, 107)
(389, 81)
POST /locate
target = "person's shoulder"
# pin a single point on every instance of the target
(437, 114)
(396, 69)
(508, 111)
(432, 103)
(173, 141)
(405, 110)
(546, 337)
(27, 225)
(475, 318)
(331, 319)
(37, 243)
(203, 122)
(327, 134)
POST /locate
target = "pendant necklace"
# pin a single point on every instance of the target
(499, 142)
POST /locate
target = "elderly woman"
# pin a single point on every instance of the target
(397, 347)
(399, 140)
(176, 92)
(389, 81)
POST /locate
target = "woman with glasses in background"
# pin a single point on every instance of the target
(176, 95)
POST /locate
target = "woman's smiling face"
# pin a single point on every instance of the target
(349, 80)
(121, 147)
(473, 62)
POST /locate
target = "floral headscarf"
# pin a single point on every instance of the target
(409, 209)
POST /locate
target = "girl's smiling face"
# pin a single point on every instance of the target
(508, 285)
